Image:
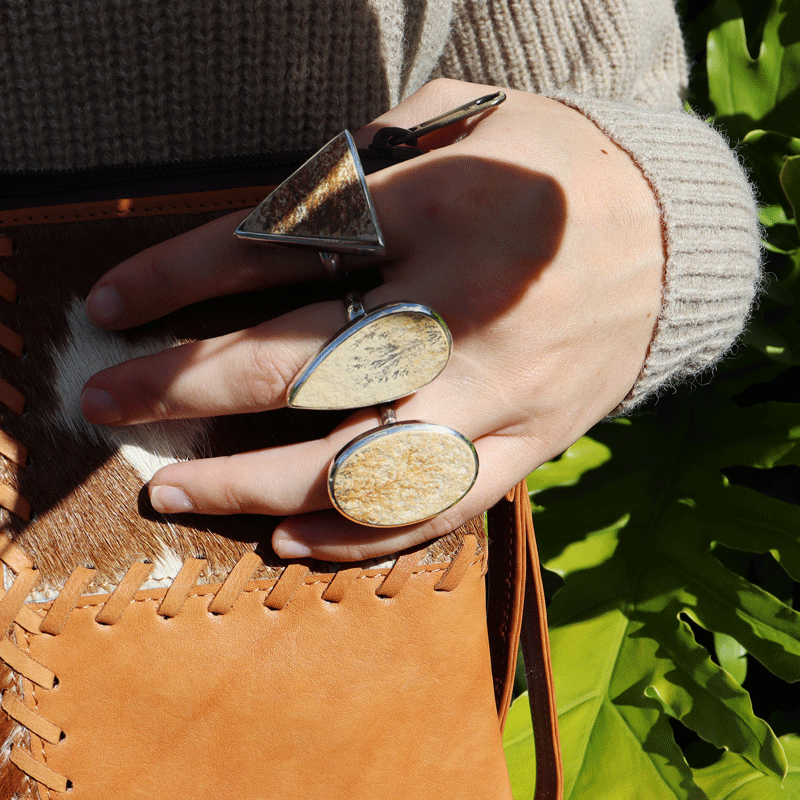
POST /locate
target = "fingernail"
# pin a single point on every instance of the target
(170, 500)
(99, 406)
(285, 547)
(104, 305)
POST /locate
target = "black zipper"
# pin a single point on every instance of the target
(389, 146)
(42, 188)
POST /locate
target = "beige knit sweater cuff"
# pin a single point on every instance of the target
(711, 235)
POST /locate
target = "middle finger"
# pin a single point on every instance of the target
(241, 372)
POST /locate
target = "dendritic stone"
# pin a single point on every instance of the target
(390, 353)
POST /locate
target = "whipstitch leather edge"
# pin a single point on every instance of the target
(10, 397)
(26, 620)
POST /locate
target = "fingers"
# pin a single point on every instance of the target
(292, 480)
(242, 372)
(209, 261)
(328, 536)
(281, 480)
(206, 262)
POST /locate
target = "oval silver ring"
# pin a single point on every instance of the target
(402, 473)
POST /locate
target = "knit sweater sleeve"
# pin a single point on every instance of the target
(622, 65)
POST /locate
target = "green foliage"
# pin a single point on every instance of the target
(520, 751)
(732, 778)
(656, 523)
(760, 91)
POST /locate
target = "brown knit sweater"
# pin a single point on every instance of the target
(99, 82)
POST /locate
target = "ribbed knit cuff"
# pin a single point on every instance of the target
(711, 235)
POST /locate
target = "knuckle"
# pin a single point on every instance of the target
(151, 403)
(250, 267)
(158, 272)
(231, 500)
(268, 375)
(441, 86)
(353, 552)
(445, 523)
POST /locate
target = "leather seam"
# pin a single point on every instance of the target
(11, 449)
(134, 210)
(250, 590)
(35, 699)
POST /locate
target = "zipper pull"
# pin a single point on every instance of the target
(401, 143)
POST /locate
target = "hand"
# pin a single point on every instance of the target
(535, 237)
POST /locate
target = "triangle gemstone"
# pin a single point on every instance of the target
(324, 204)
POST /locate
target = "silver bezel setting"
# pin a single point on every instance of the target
(351, 329)
(338, 245)
(388, 430)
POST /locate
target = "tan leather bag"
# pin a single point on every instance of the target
(221, 671)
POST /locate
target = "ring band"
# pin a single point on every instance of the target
(399, 473)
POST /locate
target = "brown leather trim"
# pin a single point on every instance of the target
(12, 398)
(11, 341)
(14, 502)
(28, 718)
(192, 203)
(367, 686)
(506, 589)
(13, 450)
(8, 289)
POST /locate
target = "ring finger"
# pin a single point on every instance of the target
(293, 478)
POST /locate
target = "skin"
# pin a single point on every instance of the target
(535, 237)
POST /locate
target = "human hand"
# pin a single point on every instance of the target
(534, 236)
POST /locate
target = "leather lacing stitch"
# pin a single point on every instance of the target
(11, 397)
(13, 610)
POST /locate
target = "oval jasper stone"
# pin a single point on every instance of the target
(402, 473)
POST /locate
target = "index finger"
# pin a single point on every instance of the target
(202, 263)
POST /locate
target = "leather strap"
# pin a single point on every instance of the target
(516, 605)
(505, 592)
(538, 669)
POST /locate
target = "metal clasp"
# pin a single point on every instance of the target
(402, 142)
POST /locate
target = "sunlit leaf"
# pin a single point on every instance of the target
(519, 748)
(639, 516)
(634, 539)
(768, 341)
(790, 180)
(761, 92)
(732, 778)
(772, 215)
(732, 656)
(766, 153)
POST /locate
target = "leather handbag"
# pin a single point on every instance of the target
(152, 657)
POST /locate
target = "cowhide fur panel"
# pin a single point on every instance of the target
(86, 483)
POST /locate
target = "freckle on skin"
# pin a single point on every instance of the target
(604, 151)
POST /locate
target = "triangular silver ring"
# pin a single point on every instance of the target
(325, 204)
